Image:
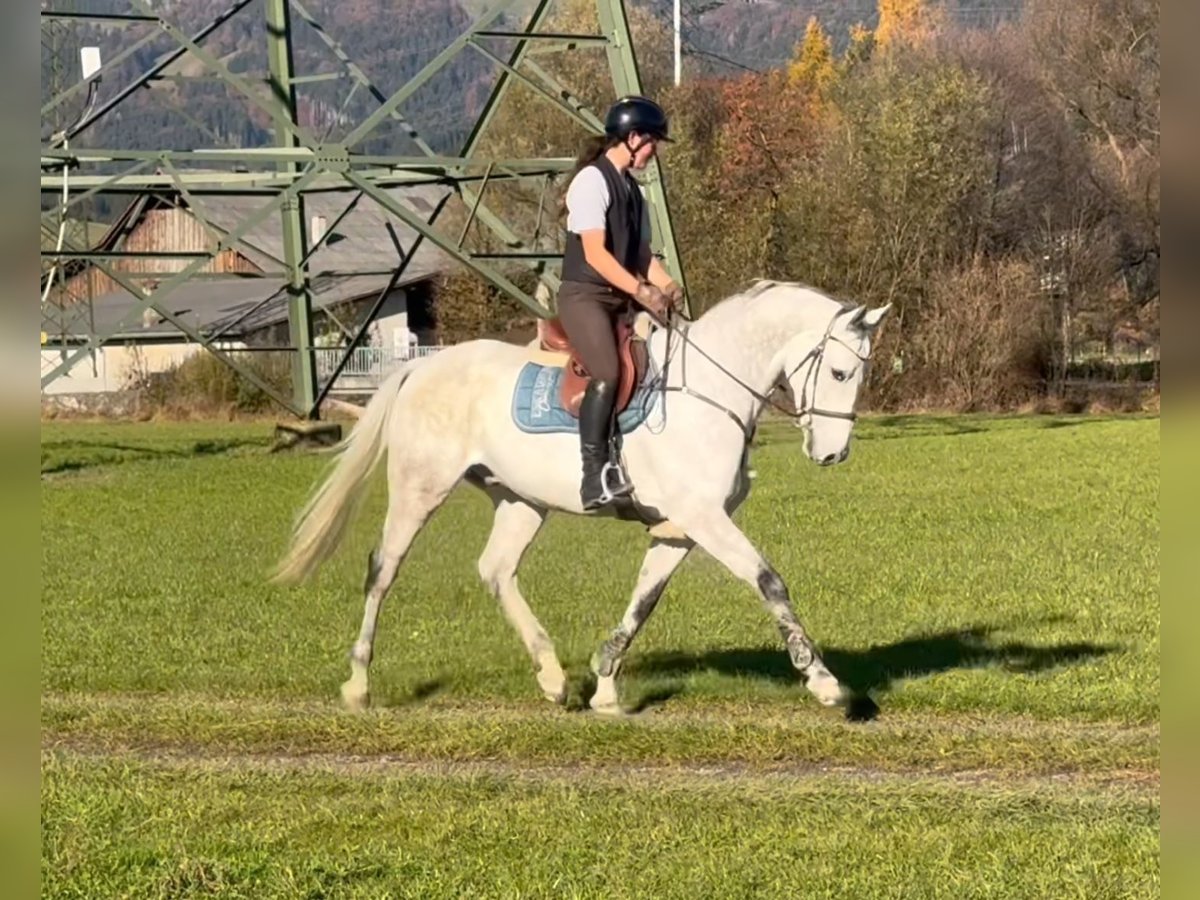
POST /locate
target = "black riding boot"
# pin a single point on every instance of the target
(595, 438)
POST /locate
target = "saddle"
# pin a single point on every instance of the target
(631, 353)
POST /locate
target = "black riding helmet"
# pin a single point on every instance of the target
(638, 114)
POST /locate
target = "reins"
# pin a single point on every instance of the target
(817, 352)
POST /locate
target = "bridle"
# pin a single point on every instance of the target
(802, 416)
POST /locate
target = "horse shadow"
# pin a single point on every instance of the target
(875, 670)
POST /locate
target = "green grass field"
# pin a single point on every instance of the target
(992, 582)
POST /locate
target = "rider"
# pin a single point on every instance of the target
(607, 263)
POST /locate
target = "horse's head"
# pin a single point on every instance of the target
(825, 379)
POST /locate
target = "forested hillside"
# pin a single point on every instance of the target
(391, 41)
(988, 167)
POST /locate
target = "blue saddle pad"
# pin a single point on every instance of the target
(537, 402)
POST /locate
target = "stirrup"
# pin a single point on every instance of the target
(624, 487)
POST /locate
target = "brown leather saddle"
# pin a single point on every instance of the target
(631, 352)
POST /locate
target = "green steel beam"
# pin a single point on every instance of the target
(197, 79)
(432, 68)
(536, 18)
(327, 154)
(155, 297)
(279, 61)
(531, 256)
(208, 343)
(543, 37)
(124, 254)
(589, 119)
(622, 61)
(310, 79)
(159, 66)
(388, 202)
(234, 81)
(194, 202)
(405, 259)
(462, 235)
(538, 89)
(109, 65)
(112, 18)
(269, 183)
(331, 228)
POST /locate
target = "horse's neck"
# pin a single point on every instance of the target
(744, 345)
(748, 345)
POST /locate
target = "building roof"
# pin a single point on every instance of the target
(360, 242)
(355, 261)
(229, 307)
(368, 239)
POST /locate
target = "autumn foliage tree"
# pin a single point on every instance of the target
(907, 22)
(999, 188)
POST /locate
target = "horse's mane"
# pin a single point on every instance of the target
(734, 302)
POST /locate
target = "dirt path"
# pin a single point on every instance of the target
(1124, 786)
(200, 731)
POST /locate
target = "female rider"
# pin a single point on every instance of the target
(607, 264)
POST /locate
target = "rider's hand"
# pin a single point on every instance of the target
(675, 295)
(653, 299)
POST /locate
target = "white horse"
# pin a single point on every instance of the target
(447, 418)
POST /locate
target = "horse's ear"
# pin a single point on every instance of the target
(869, 321)
(855, 316)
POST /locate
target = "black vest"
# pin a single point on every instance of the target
(623, 232)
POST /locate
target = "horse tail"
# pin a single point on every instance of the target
(322, 522)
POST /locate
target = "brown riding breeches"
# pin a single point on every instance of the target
(589, 317)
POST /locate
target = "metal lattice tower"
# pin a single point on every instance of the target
(302, 161)
(60, 50)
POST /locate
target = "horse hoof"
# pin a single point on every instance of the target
(355, 698)
(554, 687)
(828, 690)
(609, 710)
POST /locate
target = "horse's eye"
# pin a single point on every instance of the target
(839, 375)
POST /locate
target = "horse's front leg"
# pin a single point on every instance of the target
(662, 559)
(715, 532)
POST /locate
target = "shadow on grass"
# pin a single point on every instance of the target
(921, 425)
(70, 456)
(421, 691)
(876, 669)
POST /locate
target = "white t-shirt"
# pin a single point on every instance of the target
(588, 201)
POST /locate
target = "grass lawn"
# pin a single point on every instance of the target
(993, 582)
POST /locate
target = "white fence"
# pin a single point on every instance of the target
(367, 367)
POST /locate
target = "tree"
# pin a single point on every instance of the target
(860, 46)
(1099, 61)
(907, 22)
(813, 66)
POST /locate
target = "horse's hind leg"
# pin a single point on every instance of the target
(662, 559)
(513, 530)
(410, 503)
